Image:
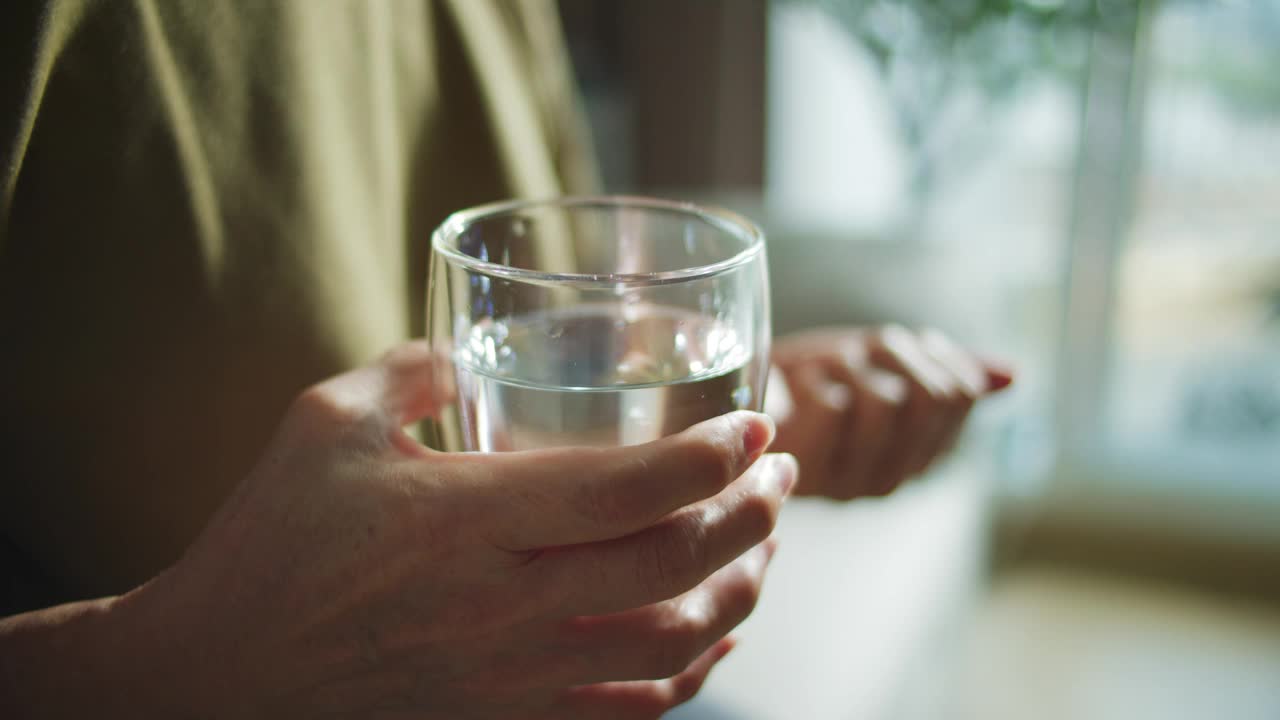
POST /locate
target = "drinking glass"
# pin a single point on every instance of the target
(597, 321)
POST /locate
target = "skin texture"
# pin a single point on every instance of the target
(356, 573)
(864, 410)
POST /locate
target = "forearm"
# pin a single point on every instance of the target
(77, 660)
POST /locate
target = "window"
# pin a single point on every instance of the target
(1089, 187)
(1095, 188)
(1192, 384)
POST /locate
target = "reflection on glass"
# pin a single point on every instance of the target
(596, 321)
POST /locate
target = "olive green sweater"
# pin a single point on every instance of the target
(207, 206)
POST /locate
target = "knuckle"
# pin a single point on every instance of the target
(965, 395)
(312, 398)
(758, 515)
(936, 392)
(675, 648)
(321, 404)
(892, 334)
(606, 504)
(931, 335)
(677, 558)
(406, 355)
(882, 391)
(711, 461)
(740, 599)
(950, 393)
(395, 357)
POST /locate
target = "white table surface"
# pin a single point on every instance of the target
(856, 594)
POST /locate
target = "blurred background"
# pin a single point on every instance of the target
(1087, 188)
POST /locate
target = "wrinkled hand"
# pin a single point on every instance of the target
(863, 410)
(355, 572)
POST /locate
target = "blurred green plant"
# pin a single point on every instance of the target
(931, 52)
(994, 41)
(1233, 51)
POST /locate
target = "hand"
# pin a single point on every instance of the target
(355, 572)
(865, 410)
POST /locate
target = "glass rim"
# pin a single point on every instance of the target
(444, 241)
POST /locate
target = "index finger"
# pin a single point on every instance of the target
(568, 496)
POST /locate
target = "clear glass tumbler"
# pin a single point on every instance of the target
(595, 321)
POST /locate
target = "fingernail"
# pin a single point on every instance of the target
(758, 434)
(785, 470)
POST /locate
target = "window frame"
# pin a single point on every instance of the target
(1090, 478)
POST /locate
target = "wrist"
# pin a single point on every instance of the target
(160, 660)
(60, 661)
(102, 658)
